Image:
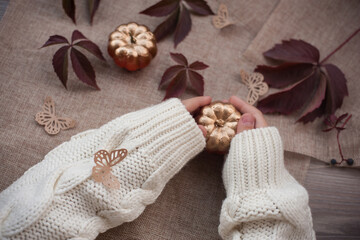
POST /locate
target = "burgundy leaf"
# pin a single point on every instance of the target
(91, 47)
(69, 8)
(342, 117)
(337, 88)
(295, 51)
(285, 74)
(179, 58)
(198, 65)
(312, 111)
(162, 8)
(200, 7)
(76, 35)
(197, 82)
(290, 99)
(177, 86)
(60, 64)
(327, 130)
(93, 6)
(167, 27)
(82, 68)
(170, 73)
(55, 39)
(340, 128)
(183, 27)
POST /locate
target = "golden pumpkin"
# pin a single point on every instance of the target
(220, 121)
(132, 46)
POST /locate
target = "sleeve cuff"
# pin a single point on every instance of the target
(255, 161)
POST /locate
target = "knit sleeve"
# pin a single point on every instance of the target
(58, 198)
(263, 200)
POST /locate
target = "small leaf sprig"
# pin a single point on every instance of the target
(179, 19)
(81, 65)
(69, 8)
(180, 74)
(333, 122)
(302, 76)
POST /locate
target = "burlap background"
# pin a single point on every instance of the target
(190, 204)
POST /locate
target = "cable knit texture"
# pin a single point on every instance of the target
(58, 199)
(263, 200)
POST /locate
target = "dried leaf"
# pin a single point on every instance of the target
(55, 39)
(197, 82)
(177, 86)
(170, 73)
(200, 7)
(162, 8)
(69, 8)
(82, 68)
(295, 51)
(198, 65)
(179, 58)
(60, 64)
(92, 48)
(167, 27)
(93, 6)
(183, 27)
(76, 35)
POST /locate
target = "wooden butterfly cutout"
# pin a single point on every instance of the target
(256, 85)
(103, 163)
(52, 123)
(221, 20)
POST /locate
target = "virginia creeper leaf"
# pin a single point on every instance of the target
(76, 35)
(162, 8)
(69, 8)
(177, 86)
(93, 6)
(82, 68)
(92, 48)
(60, 64)
(295, 51)
(179, 58)
(183, 27)
(55, 39)
(285, 74)
(167, 27)
(200, 7)
(197, 82)
(170, 73)
(198, 65)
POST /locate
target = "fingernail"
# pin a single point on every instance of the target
(247, 121)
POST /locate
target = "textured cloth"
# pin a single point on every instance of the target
(263, 200)
(58, 199)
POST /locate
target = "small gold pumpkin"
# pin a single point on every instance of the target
(220, 121)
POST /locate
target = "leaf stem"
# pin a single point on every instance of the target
(340, 46)
(338, 140)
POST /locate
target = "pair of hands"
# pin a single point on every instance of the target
(251, 117)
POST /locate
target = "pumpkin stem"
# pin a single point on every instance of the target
(132, 39)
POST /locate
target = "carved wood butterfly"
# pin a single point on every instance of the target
(52, 123)
(103, 163)
(221, 20)
(256, 85)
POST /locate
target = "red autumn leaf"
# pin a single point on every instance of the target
(69, 8)
(55, 39)
(179, 21)
(92, 48)
(82, 68)
(179, 74)
(162, 8)
(320, 97)
(200, 7)
(81, 65)
(60, 64)
(93, 6)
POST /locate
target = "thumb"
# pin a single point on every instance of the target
(246, 122)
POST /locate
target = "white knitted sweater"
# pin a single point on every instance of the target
(263, 200)
(58, 199)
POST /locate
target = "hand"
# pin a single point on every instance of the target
(192, 104)
(251, 116)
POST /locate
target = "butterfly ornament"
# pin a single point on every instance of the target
(256, 85)
(221, 20)
(52, 123)
(103, 162)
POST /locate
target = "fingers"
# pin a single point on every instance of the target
(202, 128)
(247, 122)
(192, 104)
